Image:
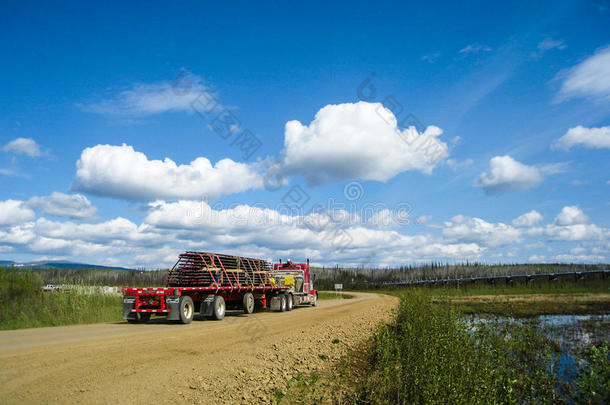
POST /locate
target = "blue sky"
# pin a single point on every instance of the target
(400, 133)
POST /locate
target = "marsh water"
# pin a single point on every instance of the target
(571, 333)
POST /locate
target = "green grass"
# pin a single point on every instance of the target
(23, 304)
(328, 295)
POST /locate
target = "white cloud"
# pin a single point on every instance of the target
(507, 174)
(23, 146)
(571, 224)
(546, 45)
(13, 212)
(597, 138)
(360, 140)
(575, 232)
(474, 48)
(590, 78)
(121, 172)
(147, 99)
(75, 206)
(528, 219)
(550, 43)
(338, 236)
(456, 165)
(571, 215)
(110, 232)
(19, 234)
(554, 168)
(467, 229)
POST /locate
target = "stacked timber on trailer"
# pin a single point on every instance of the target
(203, 269)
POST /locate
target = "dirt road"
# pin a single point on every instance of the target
(240, 359)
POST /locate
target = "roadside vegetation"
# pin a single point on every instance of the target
(23, 303)
(96, 276)
(430, 353)
(434, 351)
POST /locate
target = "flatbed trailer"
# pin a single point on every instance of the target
(230, 282)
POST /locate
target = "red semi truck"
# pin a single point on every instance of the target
(211, 283)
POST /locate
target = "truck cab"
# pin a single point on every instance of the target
(297, 277)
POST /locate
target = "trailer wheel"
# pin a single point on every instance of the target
(282, 303)
(219, 308)
(289, 302)
(187, 308)
(248, 302)
(315, 300)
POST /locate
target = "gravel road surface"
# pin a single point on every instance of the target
(240, 359)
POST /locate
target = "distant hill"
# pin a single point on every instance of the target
(58, 264)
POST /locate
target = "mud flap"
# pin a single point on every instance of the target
(274, 305)
(207, 306)
(128, 304)
(173, 304)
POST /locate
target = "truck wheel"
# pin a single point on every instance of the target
(282, 303)
(219, 307)
(187, 308)
(315, 300)
(289, 302)
(248, 302)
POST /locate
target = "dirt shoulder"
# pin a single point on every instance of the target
(242, 358)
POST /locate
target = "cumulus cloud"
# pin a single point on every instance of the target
(596, 138)
(507, 174)
(147, 99)
(571, 224)
(358, 140)
(590, 78)
(23, 146)
(325, 237)
(122, 172)
(528, 219)
(576, 232)
(14, 212)
(571, 215)
(340, 236)
(111, 231)
(75, 206)
(468, 229)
